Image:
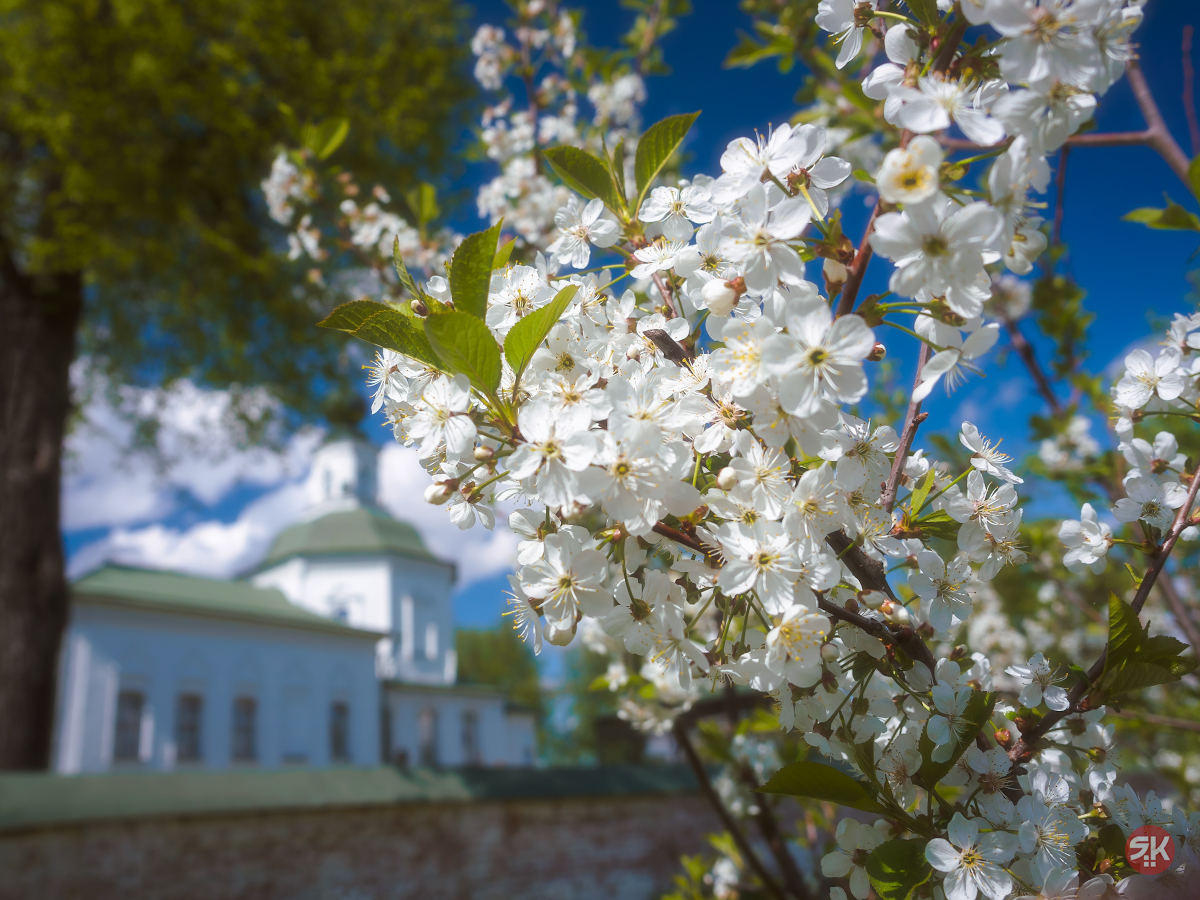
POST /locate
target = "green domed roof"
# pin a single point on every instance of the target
(353, 531)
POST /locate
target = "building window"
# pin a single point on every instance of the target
(431, 640)
(427, 736)
(472, 752)
(339, 732)
(245, 729)
(189, 743)
(127, 746)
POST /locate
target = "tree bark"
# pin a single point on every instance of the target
(38, 320)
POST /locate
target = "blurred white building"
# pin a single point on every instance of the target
(337, 649)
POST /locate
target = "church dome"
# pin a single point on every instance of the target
(357, 531)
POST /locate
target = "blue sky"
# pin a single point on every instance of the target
(1129, 272)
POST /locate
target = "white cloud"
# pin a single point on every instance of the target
(103, 492)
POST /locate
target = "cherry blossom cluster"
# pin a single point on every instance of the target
(684, 455)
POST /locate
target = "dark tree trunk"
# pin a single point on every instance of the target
(38, 319)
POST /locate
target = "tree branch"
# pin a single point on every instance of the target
(1026, 352)
(1060, 191)
(1158, 135)
(1023, 748)
(735, 831)
(1189, 98)
(911, 420)
(1180, 611)
(858, 268)
(1153, 719)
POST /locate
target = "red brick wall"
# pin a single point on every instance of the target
(616, 848)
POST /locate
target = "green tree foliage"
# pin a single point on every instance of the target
(133, 137)
(498, 657)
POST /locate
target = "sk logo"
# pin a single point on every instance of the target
(1150, 850)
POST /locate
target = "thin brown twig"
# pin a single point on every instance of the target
(1029, 357)
(1189, 97)
(1159, 136)
(1180, 612)
(731, 825)
(1060, 191)
(911, 420)
(858, 268)
(1024, 747)
(1155, 719)
(666, 295)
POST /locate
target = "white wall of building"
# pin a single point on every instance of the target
(501, 739)
(294, 675)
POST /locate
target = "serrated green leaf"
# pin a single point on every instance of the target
(1125, 634)
(585, 174)
(349, 316)
(1173, 218)
(897, 868)
(924, 486)
(656, 146)
(467, 347)
(818, 781)
(1112, 839)
(978, 711)
(1136, 676)
(396, 331)
(1194, 176)
(471, 271)
(324, 139)
(527, 335)
(1161, 648)
(402, 270)
(504, 254)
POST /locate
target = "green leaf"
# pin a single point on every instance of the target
(978, 711)
(656, 146)
(467, 347)
(818, 781)
(396, 331)
(1125, 633)
(504, 254)
(585, 174)
(349, 316)
(618, 168)
(863, 175)
(325, 138)
(402, 270)
(938, 524)
(471, 271)
(527, 335)
(922, 492)
(1194, 176)
(422, 200)
(925, 10)
(897, 868)
(1173, 218)
(1136, 676)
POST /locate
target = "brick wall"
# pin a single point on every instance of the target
(616, 848)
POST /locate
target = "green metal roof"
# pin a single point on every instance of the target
(38, 800)
(173, 592)
(348, 532)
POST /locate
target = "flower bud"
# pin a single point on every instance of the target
(483, 454)
(634, 352)
(1004, 738)
(898, 614)
(419, 307)
(873, 599)
(727, 478)
(438, 493)
(834, 271)
(830, 652)
(878, 352)
(719, 297)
